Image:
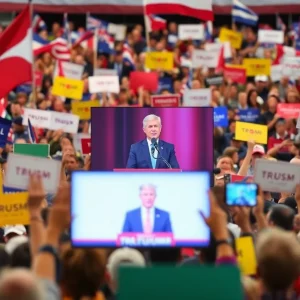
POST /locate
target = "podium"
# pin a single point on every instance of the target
(147, 170)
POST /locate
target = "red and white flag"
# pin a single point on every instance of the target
(200, 9)
(155, 23)
(284, 51)
(16, 53)
(59, 49)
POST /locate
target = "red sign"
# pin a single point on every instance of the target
(239, 178)
(148, 80)
(237, 75)
(288, 110)
(86, 146)
(165, 101)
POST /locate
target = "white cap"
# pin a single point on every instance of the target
(17, 229)
(124, 256)
(263, 78)
(258, 149)
(15, 242)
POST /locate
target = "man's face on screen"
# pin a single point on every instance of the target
(152, 129)
(148, 196)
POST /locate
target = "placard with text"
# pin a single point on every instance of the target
(165, 100)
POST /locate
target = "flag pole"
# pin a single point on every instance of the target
(146, 26)
(33, 86)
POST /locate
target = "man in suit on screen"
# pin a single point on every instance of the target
(147, 218)
(148, 153)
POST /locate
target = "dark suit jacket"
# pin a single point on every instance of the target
(133, 221)
(139, 156)
(124, 72)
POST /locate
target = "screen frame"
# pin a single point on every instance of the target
(139, 247)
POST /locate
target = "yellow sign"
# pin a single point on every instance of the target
(66, 87)
(235, 38)
(246, 255)
(83, 108)
(257, 66)
(159, 61)
(13, 207)
(249, 131)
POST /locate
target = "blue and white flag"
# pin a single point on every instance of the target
(4, 130)
(31, 133)
(93, 23)
(242, 14)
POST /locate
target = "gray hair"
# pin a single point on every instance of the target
(150, 118)
(20, 284)
(149, 185)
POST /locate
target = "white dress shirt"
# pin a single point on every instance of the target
(144, 216)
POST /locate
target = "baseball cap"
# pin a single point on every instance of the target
(15, 242)
(258, 149)
(262, 78)
(17, 229)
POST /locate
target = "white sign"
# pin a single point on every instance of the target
(68, 70)
(276, 72)
(77, 140)
(38, 118)
(298, 122)
(270, 36)
(105, 72)
(67, 122)
(191, 32)
(104, 84)
(119, 31)
(20, 167)
(51, 120)
(200, 97)
(276, 176)
(291, 67)
(202, 58)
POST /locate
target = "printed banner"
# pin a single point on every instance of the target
(4, 131)
(270, 36)
(288, 110)
(202, 58)
(235, 38)
(67, 87)
(20, 167)
(196, 98)
(86, 146)
(257, 66)
(83, 108)
(165, 100)
(249, 131)
(237, 75)
(14, 209)
(159, 61)
(104, 84)
(220, 116)
(148, 80)
(249, 115)
(276, 176)
(105, 72)
(38, 150)
(191, 32)
(276, 72)
(118, 30)
(291, 67)
(246, 255)
(68, 70)
(51, 120)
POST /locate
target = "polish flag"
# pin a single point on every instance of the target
(199, 9)
(16, 53)
(155, 23)
(284, 51)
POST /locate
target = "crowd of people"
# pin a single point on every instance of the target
(37, 260)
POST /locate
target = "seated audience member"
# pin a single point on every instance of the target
(281, 216)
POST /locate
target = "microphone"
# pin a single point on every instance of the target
(155, 146)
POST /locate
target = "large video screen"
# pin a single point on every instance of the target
(185, 139)
(156, 209)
